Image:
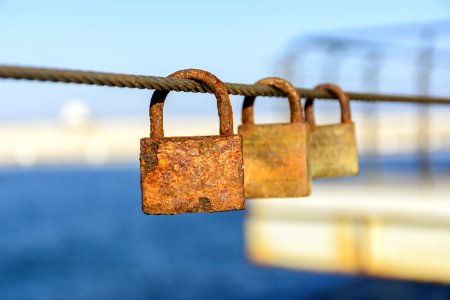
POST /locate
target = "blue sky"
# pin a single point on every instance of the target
(236, 40)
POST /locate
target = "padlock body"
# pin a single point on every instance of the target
(191, 174)
(333, 151)
(276, 160)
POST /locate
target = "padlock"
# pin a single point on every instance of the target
(276, 155)
(192, 174)
(332, 148)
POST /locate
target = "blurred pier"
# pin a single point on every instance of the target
(78, 138)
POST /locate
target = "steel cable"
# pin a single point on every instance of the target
(186, 85)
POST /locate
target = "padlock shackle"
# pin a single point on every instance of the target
(208, 79)
(344, 101)
(287, 88)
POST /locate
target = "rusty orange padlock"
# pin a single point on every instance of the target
(332, 148)
(276, 155)
(192, 174)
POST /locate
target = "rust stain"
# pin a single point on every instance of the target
(275, 155)
(333, 151)
(276, 160)
(192, 174)
(332, 148)
(208, 79)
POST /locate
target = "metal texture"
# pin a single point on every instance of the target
(275, 155)
(187, 85)
(192, 174)
(332, 148)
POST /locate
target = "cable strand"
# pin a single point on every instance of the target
(187, 85)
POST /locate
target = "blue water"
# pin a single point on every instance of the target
(79, 233)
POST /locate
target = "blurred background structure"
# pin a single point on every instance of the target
(394, 219)
(406, 59)
(70, 217)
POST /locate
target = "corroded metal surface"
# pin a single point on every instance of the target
(287, 88)
(192, 174)
(275, 155)
(217, 87)
(332, 148)
(333, 151)
(275, 158)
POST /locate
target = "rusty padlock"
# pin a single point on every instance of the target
(332, 148)
(192, 174)
(275, 155)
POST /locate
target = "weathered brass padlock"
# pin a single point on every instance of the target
(332, 148)
(192, 174)
(275, 155)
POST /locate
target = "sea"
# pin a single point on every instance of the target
(78, 232)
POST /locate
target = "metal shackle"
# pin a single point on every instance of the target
(287, 88)
(206, 78)
(344, 101)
